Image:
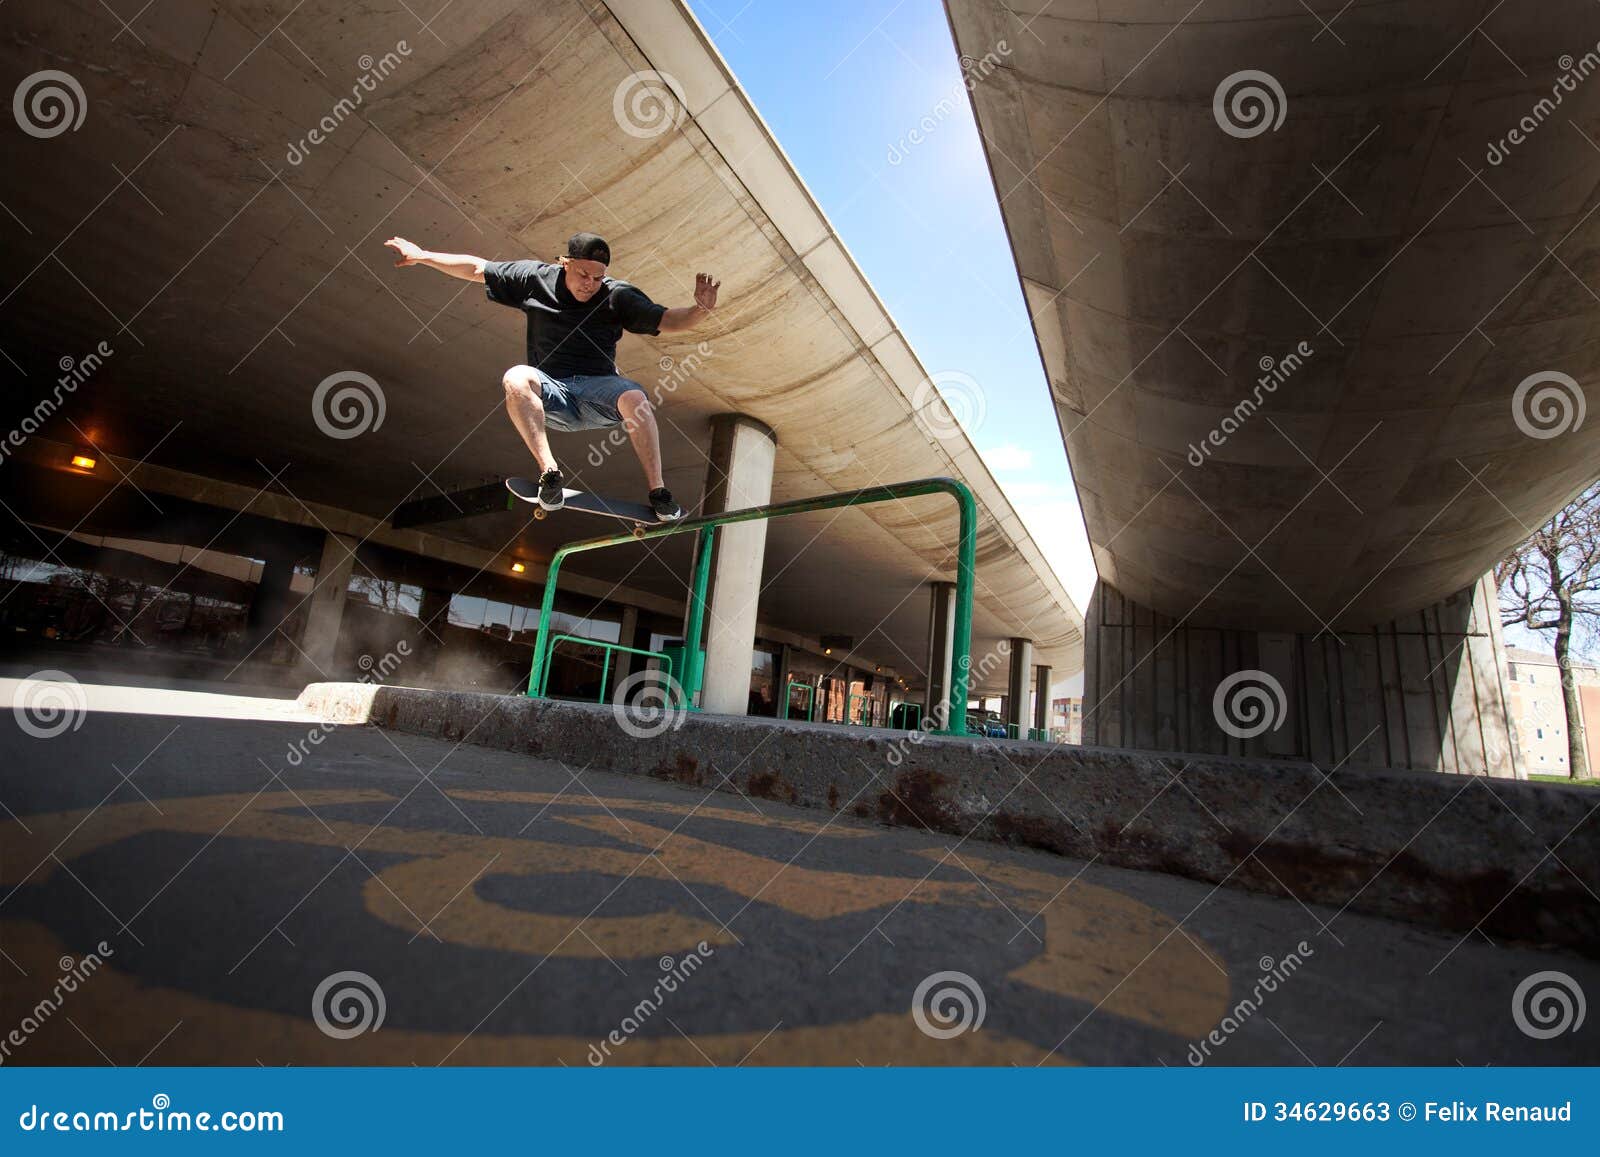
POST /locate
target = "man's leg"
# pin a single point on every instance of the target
(640, 421)
(525, 404)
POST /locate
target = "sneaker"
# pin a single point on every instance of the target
(552, 495)
(666, 509)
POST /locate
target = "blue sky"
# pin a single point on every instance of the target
(842, 84)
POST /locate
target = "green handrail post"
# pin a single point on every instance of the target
(966, 570)
(694, 660)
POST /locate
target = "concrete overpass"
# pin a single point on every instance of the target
(1315, 288)
(217, 219)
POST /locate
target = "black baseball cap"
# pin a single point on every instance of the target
(589, 247)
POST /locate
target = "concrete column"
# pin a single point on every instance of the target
(622, 663)
(739, 474)
(1015, 710)
(271, 605)
(780, 680)
(433, 619)
(1041, 697)
(941, 632)
(325, 608)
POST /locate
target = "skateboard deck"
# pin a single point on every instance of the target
(635, 512)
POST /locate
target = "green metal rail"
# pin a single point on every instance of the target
(811, 699)
(850, 701)
(605, 670)
(704, 528)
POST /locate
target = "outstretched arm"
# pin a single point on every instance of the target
(462, 265)
(688, 316)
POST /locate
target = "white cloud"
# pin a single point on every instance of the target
(1008, 457)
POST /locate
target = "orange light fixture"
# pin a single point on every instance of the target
(517, 568)
(83, 462)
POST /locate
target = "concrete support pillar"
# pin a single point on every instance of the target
(1015, 709)
(739, 474)
(325, 608)
(269, 608)
(622, 663)
(433, 618)
(1041, 697)
(780, 680)
(1424, 691)
(941, 633)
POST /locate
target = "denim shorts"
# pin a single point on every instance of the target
(583, 401)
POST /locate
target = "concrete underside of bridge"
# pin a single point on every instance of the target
(232, 262)
(1285, 355)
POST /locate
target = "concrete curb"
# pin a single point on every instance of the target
(1453, 852)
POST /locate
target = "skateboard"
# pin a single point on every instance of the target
(635, 512)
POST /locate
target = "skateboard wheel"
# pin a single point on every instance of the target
(638, 532)
(539, 512)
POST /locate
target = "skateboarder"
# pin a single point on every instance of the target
(576, 315)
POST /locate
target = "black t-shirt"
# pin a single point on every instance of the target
(567, 336)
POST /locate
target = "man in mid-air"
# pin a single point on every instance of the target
(576, 315)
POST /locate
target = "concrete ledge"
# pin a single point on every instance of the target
(1453, 852)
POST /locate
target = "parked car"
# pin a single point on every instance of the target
(986, 723)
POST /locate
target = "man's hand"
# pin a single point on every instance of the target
(705, 291)
(410, 252)
(462, 265)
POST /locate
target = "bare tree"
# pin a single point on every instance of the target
(1551, 582)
